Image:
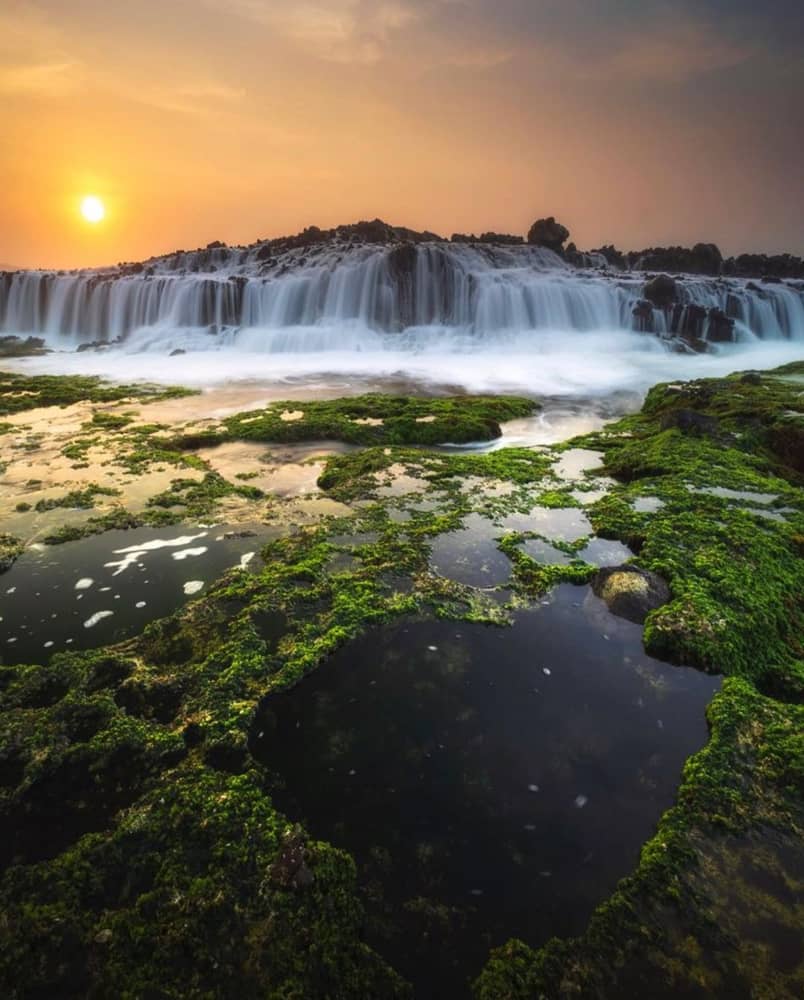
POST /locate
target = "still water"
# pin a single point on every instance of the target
(490, 782)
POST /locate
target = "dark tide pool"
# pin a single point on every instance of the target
(107, 587)
(490, 782)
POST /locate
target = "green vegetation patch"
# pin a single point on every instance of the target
(26, 392)
(77, 499)
(372, 419)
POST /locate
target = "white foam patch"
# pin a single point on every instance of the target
(129, 559)
(84, 583)
(193, 586)
(93, 620)
(199, 550)
(245, 559)
(140, 604)
(161, 543)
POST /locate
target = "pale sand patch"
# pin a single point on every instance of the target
(425, 420)
(369, 421)
(290, 415)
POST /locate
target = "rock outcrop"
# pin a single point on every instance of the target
(548, 233)
(661, 291)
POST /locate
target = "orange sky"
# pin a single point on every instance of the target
(634, 123)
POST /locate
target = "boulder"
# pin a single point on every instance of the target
(662, 291)
(630, 592)
(721, 327)
(548, 233)
(643, 316)
(688, 324)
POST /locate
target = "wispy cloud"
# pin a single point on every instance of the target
(48, 79)
(334, 30)
(194, 98)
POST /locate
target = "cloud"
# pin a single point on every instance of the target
(345, 31)
(673, 54)
(48, 79)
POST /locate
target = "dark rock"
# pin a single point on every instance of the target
(175, 353)
(402, 261)
(720, 328)
(216, 245)
(16, 347)
(93, 345)
(548, 233)
(290, 869)
(662, 291)
(690, 422)
(630, 592)
(643, 314)
(751, 378)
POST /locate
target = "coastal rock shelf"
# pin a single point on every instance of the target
(402, 749)
(335, 294)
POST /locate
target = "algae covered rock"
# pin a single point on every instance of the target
(631, 592)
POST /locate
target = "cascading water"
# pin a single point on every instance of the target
(336, 297)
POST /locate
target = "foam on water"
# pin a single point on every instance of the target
(560, 364)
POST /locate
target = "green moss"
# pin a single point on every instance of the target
(171, 873)
(109, 421)
(737, 578)
(82, 499)
(26, 392)
(10, 548)
(404, 419)
(198, 498)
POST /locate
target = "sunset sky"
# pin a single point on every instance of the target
(636, 122)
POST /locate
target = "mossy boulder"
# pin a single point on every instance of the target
(630, 592)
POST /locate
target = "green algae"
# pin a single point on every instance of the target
(10, 548)
(82, 499)
(26, 392)
(679, 925)
(375, 419)
(175, 876)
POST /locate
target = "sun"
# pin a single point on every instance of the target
(92, 208)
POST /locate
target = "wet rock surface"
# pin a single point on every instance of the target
(630, 592)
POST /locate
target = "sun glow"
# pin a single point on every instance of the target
(92, 209)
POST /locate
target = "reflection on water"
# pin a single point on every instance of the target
(470, 554)
(565, 524)
(489, 782)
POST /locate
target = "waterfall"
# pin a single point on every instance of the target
(336, 296)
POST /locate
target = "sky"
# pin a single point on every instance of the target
(634, 122)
